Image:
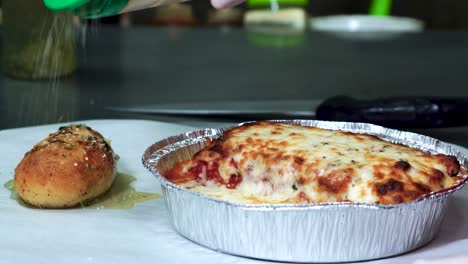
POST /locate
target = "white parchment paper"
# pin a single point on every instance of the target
(142, 234)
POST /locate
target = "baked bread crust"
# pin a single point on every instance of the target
(69, 167)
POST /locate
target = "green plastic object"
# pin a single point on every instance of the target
(64, 5)
(260, 3)
(87, 8)
(380, 7)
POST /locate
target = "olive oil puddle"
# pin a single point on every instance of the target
(121, 195)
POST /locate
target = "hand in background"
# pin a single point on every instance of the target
(225, 3)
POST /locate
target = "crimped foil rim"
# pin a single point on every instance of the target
(151, 158)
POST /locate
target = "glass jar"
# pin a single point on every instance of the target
(38, 44)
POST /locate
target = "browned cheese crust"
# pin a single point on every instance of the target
(266, 162)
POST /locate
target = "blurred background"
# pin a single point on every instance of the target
(58, 69)
(437, 14)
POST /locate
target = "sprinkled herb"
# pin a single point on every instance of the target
(65, 132)
(107, 146)
(65, 144)
(89, 137)
(83, 126)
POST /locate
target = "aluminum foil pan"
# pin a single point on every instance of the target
(333, 232)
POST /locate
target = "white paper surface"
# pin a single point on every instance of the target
(142, 234)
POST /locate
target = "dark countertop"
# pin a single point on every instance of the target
(151, 65)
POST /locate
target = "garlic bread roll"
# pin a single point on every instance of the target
(71, 166)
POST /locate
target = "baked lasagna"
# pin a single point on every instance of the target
(268, 162)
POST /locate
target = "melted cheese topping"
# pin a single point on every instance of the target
(268, 162)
